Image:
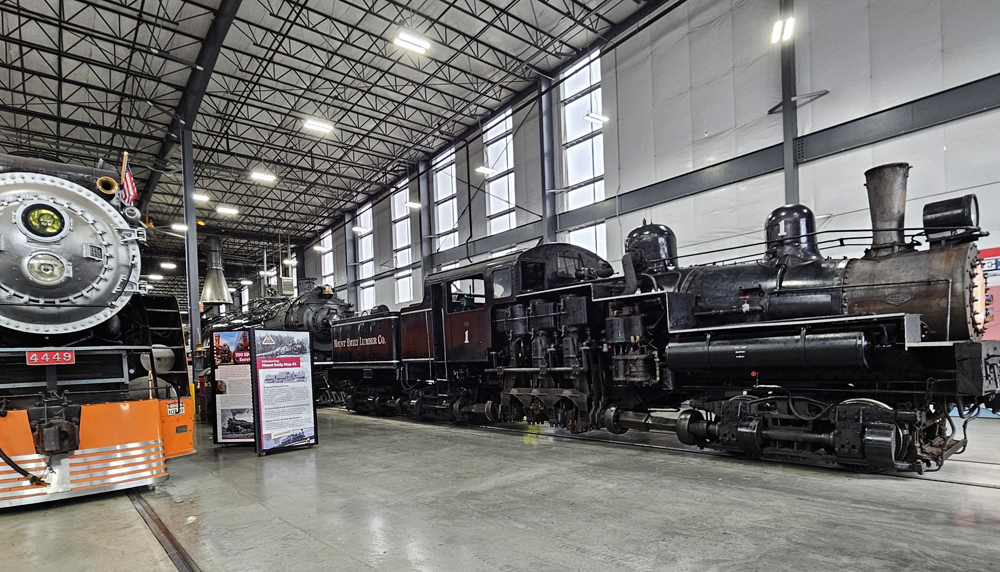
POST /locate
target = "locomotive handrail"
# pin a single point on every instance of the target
(870, 231)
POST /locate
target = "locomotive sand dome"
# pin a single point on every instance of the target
(73, 260)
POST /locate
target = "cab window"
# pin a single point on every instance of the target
(502, 286)
(466, 294)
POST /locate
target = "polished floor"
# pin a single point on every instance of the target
(390, 494)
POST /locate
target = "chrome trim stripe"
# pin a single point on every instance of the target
(23, 493)
(119, 463)
(96, 484)
(24, 483)
(137, 470)
(117, 447)
(5, 468)
(20, 458)
(122, 455)
(40, 498)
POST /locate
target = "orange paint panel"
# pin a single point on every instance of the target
(110, 424)
(176, 444)
(15, 434)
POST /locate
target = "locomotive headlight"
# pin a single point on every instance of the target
(46, 268)
(43, 220)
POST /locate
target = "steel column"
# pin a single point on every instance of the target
(789, 110)
(351, 257)
(424, 197)
(546, 132)
(191, 243)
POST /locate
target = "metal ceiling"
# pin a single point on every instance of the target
(83, 80)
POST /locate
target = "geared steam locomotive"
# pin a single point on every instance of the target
(94, 395)
(794, 356)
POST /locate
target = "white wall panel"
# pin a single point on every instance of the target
(876, 54)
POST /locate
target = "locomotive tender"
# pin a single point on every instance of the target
(793, 356)
(94, 395)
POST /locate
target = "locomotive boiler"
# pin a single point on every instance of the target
(94, 395)
(857, 362)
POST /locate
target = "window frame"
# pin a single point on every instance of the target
(507, 137)
(441, 163)
(403, 275)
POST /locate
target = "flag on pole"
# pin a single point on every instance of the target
(129, 190)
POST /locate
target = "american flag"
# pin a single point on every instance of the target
(129, 191)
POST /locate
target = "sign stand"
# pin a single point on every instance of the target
(262, 390)
(284, 408)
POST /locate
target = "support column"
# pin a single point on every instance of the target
(789, 110)
(424, 196)
(351, 256)
(191, 244)
(300, 268)
(546, 126)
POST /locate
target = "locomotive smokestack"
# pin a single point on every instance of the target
(887, 201)
(216, 291)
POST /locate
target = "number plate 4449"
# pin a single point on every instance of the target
(51, 357)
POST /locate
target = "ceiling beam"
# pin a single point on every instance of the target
(194, 91)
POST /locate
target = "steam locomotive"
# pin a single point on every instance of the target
(855, 362)
(95, 393)
(314, 311)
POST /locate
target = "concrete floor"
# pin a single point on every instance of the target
(389, 494)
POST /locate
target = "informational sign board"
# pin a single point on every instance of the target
(233, 390)
(285, 412)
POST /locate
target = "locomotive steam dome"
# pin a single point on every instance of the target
(71, 260)
(657, 245)
(791, 231)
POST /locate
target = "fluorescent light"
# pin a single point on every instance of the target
(486, 170)
(321, 248)
(776, 31)
(595, 118)
(246, 282)
(168, 265)
(223, 209)
(263, 177)
(782, 30)
(411, 41)
(789, 26)
(317, 125)
(290, 262)
(156, 277)
(179, 227)
(359, 229)
(200, 198)
(411, 205)
(232, 289)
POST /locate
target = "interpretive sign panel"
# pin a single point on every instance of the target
(283, 391)
(233, 387)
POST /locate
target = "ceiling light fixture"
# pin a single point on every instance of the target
(156, 277)
(359, 229)
(200, 198)
(263, 177)
(321, 248)
(317, 125)
(179, 227)
(484, 170)
(168, 265)
(412, 42)
(411, 205)
(782, 31)
(232, 289)
(290, 262)
(595, 118)
(246, 282)
(223, 209)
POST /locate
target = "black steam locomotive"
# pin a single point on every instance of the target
(853, 361)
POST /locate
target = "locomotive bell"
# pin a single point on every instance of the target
(791, 232)
(656, 246)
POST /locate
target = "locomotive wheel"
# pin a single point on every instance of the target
(611, 421)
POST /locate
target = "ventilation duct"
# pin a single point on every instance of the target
(216, 290)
